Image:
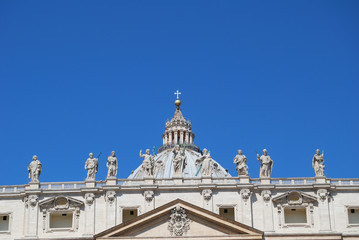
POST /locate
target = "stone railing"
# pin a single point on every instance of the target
(185, 182)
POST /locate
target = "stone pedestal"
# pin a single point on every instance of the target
(149, 180)
(265, 180)
(322, 179)
(90, 183)
(243, 179)
(111, 181)
(178, 180)
(33, 185)
(206, 179)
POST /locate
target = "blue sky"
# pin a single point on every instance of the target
(95, 76)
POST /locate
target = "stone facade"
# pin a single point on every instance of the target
(163, 203)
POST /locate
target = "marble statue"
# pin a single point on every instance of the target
(178, 160)
(91, 166)
(241, 164)
(266, 164)
(112, 165)
(34, 169)
(206, 163)
(148, 163)
(318, 163)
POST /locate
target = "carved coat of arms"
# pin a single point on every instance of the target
(179, 222)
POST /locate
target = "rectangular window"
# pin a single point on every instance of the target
(4, 223)
(295, 215)
(128, 214)
(227, 212)
(61, 220)
(353, 215)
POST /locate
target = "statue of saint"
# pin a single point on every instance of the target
(318, 163)
(34, 169)
(91, 166)
(178, 160)
(112, 165)
(206, 163)
(266, 165)
(148, 163)
(241, 164)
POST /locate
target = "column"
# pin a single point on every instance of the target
(90, 214)
(187, 137)
(190, 139)
(32, 210)
(323, 209)
(170, 138)
(181, 137)
(246, 207)
(267, 211)
(110, 209)
(175, 137)
(166, 139)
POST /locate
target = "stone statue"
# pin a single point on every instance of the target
(148, 163)
(241, 164)
(266, 165)
(91, 166)
(318, 163)
(112, 165)
(206, 163)
(34, 169)
(178, 160)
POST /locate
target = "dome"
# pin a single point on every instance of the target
(178, 133)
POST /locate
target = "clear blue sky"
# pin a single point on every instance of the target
(96, 76)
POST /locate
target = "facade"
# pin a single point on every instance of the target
(182, 193)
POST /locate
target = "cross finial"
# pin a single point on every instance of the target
(177, 93)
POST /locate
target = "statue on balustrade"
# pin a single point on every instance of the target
(148, 163)
(241, 164)
(318, 163)
(91, 166)
(34, 169)
(112, 165)
(206, 163)
(266, 165)
(179, 160)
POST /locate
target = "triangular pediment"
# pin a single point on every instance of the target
(294, 198)
(180, 219)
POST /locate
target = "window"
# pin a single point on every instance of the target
(295, 216)
(128, 214)
(227, 212)
(4, 223)
(353, 215)
(61, 220)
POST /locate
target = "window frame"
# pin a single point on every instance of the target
(136, 207)
(234, 206)
(347, 208)
(306, 224)
(9, 214)
(49, 212)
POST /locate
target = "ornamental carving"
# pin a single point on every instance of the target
(148, 195)
(179, 222)
(61, 203)
(110, 196)
(31, 201)
(245, 193)
(266, 194)
(207, 194)
(89, 198)
(322, 194)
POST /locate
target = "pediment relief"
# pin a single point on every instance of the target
(294, 198)
(180, 219)
(60, 203)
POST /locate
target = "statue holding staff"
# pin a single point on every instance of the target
(266, 165)
(148, 163)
